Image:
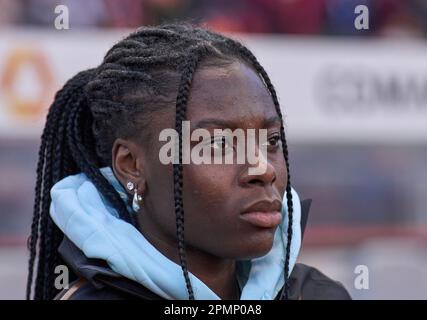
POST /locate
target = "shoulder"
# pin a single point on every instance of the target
(308, 283)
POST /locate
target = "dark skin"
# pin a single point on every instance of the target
(214, 194)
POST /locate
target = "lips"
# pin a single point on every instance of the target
(264, 214)
(263, 219)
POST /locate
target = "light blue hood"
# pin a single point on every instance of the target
(85, 217)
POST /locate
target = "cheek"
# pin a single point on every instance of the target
(207, 188)
(208, 202)
(159, 198)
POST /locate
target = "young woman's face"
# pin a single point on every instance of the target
(216, 195)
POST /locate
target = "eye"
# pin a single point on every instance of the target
(274, 141)
(220, 142)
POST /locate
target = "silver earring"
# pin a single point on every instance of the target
(136, 197)
(136, 201)
(130, 186)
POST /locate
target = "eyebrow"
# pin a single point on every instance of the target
(268, 122)
(214, 122)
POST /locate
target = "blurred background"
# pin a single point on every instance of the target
(355, 105)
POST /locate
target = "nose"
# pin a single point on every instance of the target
(265, 177)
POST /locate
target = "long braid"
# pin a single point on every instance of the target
(40, 224)
(45, 236)
(181, 107)
(52, 231)
(42, 191)
(32, 240)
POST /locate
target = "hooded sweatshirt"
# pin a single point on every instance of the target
(93, 226)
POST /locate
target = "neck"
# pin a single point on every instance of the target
(218, 274)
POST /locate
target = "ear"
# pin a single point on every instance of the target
(127, 165)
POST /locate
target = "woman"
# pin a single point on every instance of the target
(109, 209)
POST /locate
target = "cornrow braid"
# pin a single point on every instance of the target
(181, 107)
(97, 106)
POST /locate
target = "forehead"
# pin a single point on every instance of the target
(234, 93)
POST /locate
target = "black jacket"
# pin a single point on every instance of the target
(96, 280)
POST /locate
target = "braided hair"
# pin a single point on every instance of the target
(99, 105)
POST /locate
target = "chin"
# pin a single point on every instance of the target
(256, 246)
